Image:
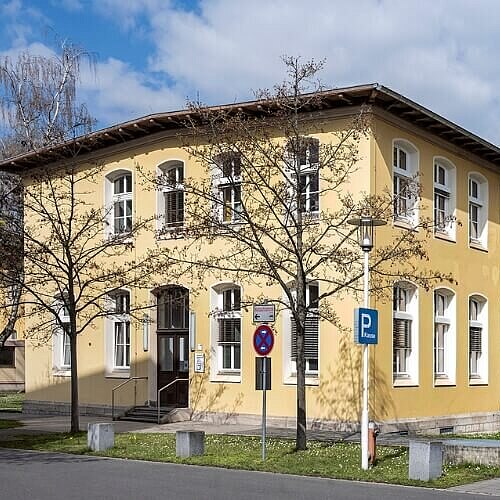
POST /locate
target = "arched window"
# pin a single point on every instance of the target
(171, 196)
(444, 197)
(61, 342)
(405, 187)
(117, 331)
(227, 186)
(311, 338)
(226, 312)
(405, 334)
(119, 200)
(478, 210)
(444, 337)
(304, 161)
(173, 308)
(478, 339)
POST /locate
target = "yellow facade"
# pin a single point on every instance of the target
(334, 394)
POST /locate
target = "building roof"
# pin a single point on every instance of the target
(372, 94)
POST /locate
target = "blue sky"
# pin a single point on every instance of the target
(153, 54)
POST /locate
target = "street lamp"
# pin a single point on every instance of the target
(365, 228)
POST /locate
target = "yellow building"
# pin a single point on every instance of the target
(434, 367)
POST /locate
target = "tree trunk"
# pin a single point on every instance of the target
(75, 410)
(301, 438)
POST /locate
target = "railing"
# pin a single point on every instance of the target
(121, 385)
(166, 387)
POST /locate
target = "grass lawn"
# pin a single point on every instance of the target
(334, 460)
(11, 401)
(9, 424)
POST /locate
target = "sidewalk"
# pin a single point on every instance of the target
(37, 424)
(61, 423)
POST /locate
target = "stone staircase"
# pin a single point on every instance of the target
(168, 414)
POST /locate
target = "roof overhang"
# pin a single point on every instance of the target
(374, 95)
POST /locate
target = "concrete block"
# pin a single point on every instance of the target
(426, 460)
(100, 437)
(189, 443)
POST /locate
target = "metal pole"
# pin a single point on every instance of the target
(364, 413)
(264, 366)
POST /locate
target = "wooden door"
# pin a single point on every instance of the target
(173, 346)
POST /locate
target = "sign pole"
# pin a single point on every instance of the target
(264, 378)
(364, 413)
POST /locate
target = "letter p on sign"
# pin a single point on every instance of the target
(365, 326)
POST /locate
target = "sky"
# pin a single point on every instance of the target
(153, 55)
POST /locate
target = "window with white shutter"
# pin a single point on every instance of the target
(478, 345)
(171, 198)
(227, 314)
(404, 334)
(311, 339)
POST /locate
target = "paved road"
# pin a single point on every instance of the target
(56, 476)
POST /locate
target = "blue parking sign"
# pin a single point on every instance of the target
(365, 326)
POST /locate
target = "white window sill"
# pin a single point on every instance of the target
(118, 373)
(62, 372)
(444, 235)
(171, 233)
(311, 379)
(443, 381)
(477, 245)
(405, 223)
(404, 382)
(233, 378)
(478, 381)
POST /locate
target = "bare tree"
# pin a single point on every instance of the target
(38, 108)
(280, 201)
(76, 257)
(38, 101)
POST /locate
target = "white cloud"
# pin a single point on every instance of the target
(440, 56)
(116, 93)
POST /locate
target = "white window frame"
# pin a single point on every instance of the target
(223, 185)
(478, 318)
(306, 172)
(112, 199)
(61, 342)
(478, 229)
(444, 321)
(405, 373)
(290, 364)
(165, 186)
(219, 373)
(444, 217)
(404, 182)
(116, 319)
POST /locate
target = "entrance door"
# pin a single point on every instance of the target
(173, 346)
(173, 363)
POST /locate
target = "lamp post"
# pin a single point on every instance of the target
(365, 228)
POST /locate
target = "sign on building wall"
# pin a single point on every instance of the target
(263, 313)
(199, 362)
(365, 326)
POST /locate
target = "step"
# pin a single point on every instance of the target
(150, 414)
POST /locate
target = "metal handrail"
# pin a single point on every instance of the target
(166, 387)
(121, 385)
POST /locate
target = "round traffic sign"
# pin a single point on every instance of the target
(263, 340)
